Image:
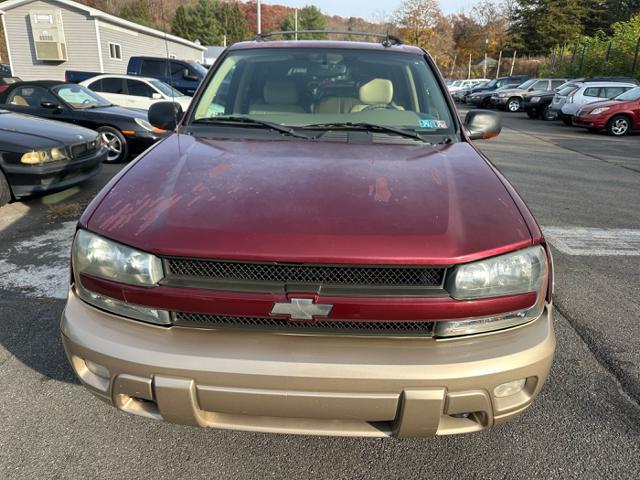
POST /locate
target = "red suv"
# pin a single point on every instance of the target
(618, 116)
(318, 248)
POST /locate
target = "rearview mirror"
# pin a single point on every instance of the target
(165, 115)
(483, 124)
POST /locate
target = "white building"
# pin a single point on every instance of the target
(47, 37)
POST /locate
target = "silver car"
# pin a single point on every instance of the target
(511, 99)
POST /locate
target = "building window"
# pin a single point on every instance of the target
(115, 51)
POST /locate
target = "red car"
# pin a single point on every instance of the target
(318, 248)
(618, 116)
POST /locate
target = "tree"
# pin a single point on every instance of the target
(138, 12)
(233, 25)
(210, 22)
(309, 18)
(183, 24)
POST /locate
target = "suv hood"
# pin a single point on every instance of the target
(311, 201)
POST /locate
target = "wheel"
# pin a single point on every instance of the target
(618, 126)
(533, 114)
(116, 144)
(5, 190)
(513, 105)
(548, 115)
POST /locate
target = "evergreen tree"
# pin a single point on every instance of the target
(138, 12)
(309, 18)
(183, 23)
(232, 23)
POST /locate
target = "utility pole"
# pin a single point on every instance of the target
(295, 17)
(469, 75)
(453, 65)
(499, 62)
(635, 57)
(259, 18)
(513, 62)
(486, 44)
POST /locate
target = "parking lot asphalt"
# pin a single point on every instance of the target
(585, 191)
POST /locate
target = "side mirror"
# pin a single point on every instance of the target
(483, 124)
(156, 96)
(187, 75)
(165, 115)
(50, 105)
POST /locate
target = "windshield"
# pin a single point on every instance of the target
(527, 84)
(629, 95)
(308, 87)
(199, 68)
(165, 89)
(80, 97)
(567, 90)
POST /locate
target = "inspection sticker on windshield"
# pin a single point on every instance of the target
(429, 123)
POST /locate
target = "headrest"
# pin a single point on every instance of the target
(280, 92)
(377, 92)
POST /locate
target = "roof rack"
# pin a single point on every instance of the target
(387, 39)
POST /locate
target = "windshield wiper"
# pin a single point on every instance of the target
(250, 122)
(367, 127)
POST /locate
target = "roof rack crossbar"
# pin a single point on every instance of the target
(387, 39)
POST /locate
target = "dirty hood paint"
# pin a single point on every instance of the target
(304, 201)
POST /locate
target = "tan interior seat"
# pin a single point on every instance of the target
(336, 105)
(18, 100)
(377, 92)
(279, 97)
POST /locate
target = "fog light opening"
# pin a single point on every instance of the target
(98, 370)
(461, 415)
(509, 389)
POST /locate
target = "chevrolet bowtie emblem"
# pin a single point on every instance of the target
(301, 309)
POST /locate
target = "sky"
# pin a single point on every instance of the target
(369, 9)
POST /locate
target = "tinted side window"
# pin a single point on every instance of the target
(611, 92)
(592, 92)
(177, 69)
(556, 83)
(30, 97)
(541, 85)
(153, 68)
(139, 89)
(108, 85)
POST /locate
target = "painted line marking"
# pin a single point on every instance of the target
(594, 242)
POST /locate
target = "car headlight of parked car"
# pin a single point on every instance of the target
(39, 157)
(147, 126)
(97, 257)
(520, 272)
(599, 110)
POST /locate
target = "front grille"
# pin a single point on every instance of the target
(83, 149)
(323, 275)
(279, 324)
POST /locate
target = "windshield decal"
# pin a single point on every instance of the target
(434, 124)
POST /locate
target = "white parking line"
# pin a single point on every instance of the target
(595, 242)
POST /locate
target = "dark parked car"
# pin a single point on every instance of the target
(182, 75)
(511, 99)
(298, 258)
(482, 99)
(38, 155)
(618, 116)
(125, 131)
(6, 81)
(500, 83)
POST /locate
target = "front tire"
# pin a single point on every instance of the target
(5, 190)
(619, 126)
(549, 115)
(118, 149)
(513, 105)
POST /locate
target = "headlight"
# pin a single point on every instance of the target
(44, 156)
(98, 257)
(599, 110)
(503, 95)
(147, 126)
(519, 272)
(511, 274)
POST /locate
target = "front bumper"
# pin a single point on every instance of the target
(590, 121)
(32, 179)
(499, 101)
(140, 141)
(476, 100)
(307, 384)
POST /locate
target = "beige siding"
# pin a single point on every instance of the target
(138, 43)
(80, 36)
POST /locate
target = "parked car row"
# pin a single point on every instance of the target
(611, 104)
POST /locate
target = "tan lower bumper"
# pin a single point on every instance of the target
(309, 384)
